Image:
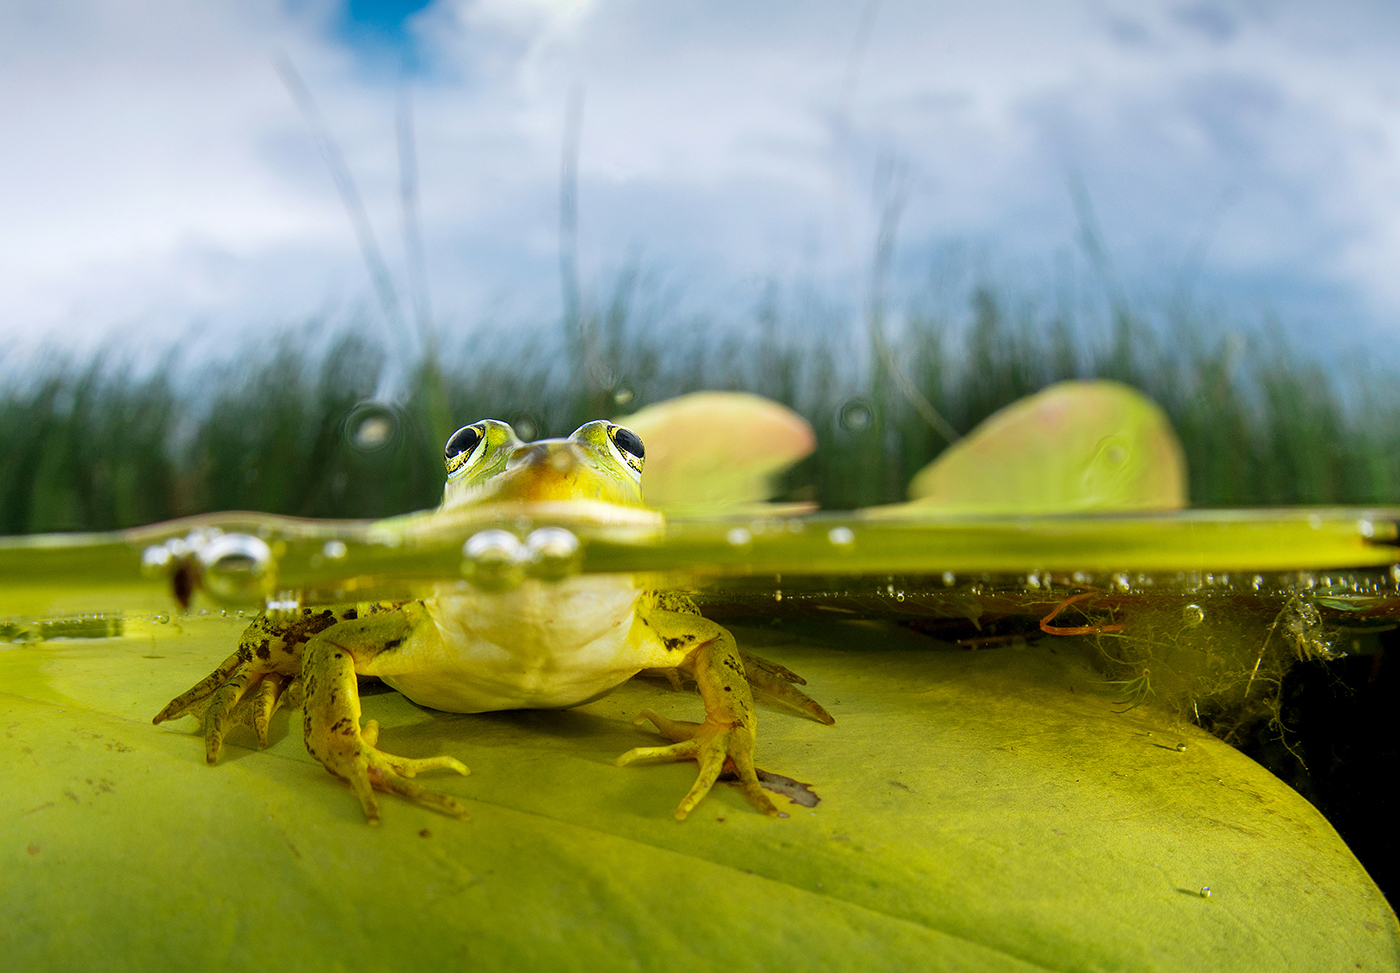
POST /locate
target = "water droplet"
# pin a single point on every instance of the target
(899, 596)
(553, 552)
(856, 415)
(373, 427)
(1181, 748)
(1205, 891)
(778, 595)
(949, 579)
(526, 426)
(1365, 528)
(237, 567)
(1258, 581)
(1032, 582)
(845, 537)
(334, 550)
(162, 619)
(493, 559)
(1121, 582)
(739, 537)
(1192, 615)
(623, 394)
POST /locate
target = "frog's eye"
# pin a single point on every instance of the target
(460, 446)
(629, 444)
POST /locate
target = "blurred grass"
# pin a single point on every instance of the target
(97, 446)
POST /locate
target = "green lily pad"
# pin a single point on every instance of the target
(981, 811)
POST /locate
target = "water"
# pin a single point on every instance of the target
(1203, 611)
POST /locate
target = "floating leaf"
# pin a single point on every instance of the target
(1075, 446)
(711, 449)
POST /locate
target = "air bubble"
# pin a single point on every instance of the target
(1205, 891)
(237, 567)
(845, 537)
(1121, 582)
(334, 550)
(283, 604)
(949, 579)
(553, 552)
(1365, 528)
(739, 537)
(155, 559)
(1192, 615)
(494, 559)
(623, 394)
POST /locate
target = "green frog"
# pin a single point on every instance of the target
(468, 649)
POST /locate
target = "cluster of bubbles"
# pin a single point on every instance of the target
(497, 559)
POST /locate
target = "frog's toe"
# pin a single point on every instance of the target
(711, 744)
(776, 685)
(367, 769)
(195, 699)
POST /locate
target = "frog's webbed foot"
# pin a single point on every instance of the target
(776, 686)
(331, 719)
(713, 744)
(240, 692)
(351, 755)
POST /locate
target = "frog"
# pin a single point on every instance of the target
(539, 644)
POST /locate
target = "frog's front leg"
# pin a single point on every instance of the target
(332, 714)
(728, 731)
(249, 686)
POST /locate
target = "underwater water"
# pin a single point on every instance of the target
(1029, 764)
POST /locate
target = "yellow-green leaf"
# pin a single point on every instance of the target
(1075, 446)
(979, 811)
(717, 449)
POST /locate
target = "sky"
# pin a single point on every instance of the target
(162, 180)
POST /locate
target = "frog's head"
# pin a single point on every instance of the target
(487, 463)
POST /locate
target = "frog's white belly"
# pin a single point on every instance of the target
(537, 646)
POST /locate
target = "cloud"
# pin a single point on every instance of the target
(160, 175)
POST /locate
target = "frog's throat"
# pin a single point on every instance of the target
(541, 645)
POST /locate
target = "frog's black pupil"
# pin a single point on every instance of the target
(464, 440)
(629, 442)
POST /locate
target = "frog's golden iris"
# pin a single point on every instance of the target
(542, 644)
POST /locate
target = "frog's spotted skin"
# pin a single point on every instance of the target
(539, 645)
